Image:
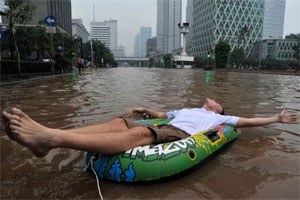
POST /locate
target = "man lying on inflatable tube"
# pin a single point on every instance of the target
(122, 134)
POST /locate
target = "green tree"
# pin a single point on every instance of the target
(151, 62)
(87, 50)
(296, 48)
(201, 62)
(237, 56)
(102, 53)
(243, 34)
(167, 60)
(293, 36)
(64, 41)
(222, 50)
(18, 11)
(33, 39)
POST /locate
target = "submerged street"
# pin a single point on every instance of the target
(262, 163)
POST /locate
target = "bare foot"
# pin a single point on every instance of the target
(27, 132)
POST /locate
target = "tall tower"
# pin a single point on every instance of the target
(137, 45)
(238, 22)
(169, 14)
(274, 19)
(184, 31)
(100, 31)
(189, 19)
(113, 24)
(140, 44)
(146, 33)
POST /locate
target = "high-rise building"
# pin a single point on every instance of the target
(146, 33)
(100, 31)
(280, 49)
(238, 22)
(169, 14)
(113, 24)
(60, 9)
(151, 46)
(189, 19)
(107, 33)
(120, 52)
(78, 29)
(137, 45)
(274, 19)
(140, 45)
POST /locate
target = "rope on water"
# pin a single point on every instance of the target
(97, 179)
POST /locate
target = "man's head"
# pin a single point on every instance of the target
(212, 105)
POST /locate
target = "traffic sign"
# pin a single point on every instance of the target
(3, 37)
(50, 20)
(50, 29)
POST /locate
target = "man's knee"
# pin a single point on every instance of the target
(138, 136)
(142, 133)
(120, 122)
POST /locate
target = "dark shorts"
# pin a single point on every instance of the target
(163, 133)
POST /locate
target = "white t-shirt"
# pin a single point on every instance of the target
(195, 120)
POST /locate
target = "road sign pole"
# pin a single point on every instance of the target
(52, 63)
(50, 22)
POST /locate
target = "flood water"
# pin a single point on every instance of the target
(262, 163)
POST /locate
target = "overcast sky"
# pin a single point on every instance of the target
(132, 14)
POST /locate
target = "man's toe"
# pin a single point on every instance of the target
(6, 115)
(18, 112)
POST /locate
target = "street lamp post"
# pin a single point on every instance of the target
(260, 54)
(77, 40)
(92, 57)
(3, 30)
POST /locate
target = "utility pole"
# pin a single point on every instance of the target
(52, 57)
(81, 52)
(93, 12)
(260, 42)
(50, 28)
(92, 58)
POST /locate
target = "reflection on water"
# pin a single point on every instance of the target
(263, 163)
(207, 78)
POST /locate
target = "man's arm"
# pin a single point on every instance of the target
(154, 113)
(260, 121)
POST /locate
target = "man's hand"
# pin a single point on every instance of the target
(138, 110)
(152, 113)
(287, 119)
(260, 121)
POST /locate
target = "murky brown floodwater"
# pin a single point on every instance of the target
(263, 163)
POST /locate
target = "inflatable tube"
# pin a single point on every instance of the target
(153, 162)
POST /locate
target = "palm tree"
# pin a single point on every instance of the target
(243, 33)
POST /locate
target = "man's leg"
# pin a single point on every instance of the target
(114, 125)
(40, 139)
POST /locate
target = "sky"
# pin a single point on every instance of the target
(133, 14)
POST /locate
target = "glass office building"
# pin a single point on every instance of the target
(189, 19)
(140, 44)
(274, 19)
(240, 22)
(169, 14)
(279, 49)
